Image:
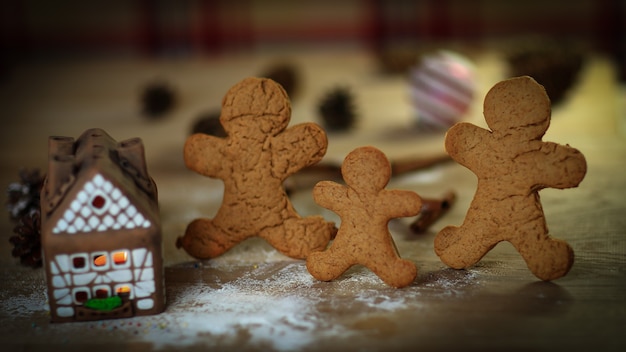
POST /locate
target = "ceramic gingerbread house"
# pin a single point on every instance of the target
(100, 229)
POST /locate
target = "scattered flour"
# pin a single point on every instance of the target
(274, 306)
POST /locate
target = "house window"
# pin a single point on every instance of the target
(124, 289)
(120, 257)
(81, 295)
(102, 291)
(100, 260)
(79, 262)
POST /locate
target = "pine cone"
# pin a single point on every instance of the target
(209, 123)
(23, 196)
(337, 110)
(27, 241)
(157, 99)
(285, 74)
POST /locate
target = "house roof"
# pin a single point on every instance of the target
(95, 168)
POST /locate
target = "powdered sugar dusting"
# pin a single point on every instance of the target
(277, 311)
(275, 305)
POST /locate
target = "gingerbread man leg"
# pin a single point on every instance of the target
(457, 246)
(204, 240)
(393, 270)
(548, 258)
(297, 237)
(329, 264)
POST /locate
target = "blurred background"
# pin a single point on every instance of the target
(37, 29)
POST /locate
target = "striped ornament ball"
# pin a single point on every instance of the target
(442, 86)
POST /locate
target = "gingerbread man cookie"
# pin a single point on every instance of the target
(257, 155)
(365, 208)
(512, 164)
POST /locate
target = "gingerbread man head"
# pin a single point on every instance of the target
(366, 170)
(255, 104)
(523, 112)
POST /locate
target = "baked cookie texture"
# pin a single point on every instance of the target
(512, 164)
(365, 208)
(257, 155)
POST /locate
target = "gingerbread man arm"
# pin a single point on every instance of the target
(331, 195)
(561, 166)
(399, 203)
(203, 154)
(297, 147)
(462, 140)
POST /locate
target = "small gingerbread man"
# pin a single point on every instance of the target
(365, 208)
(512, 164)
(257, 155)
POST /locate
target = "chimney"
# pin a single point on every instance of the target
(132, 159)
(60, 171)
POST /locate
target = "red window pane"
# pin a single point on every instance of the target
(98, 202)
(81, 296)
(78, 262)
(102, 293)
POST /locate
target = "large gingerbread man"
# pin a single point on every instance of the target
(257, 155)
(365, 208)
(512, 164)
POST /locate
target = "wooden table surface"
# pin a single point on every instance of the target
(253, 298)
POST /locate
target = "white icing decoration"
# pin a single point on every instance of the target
(145, 304)
(79, 223)
(108, 221)
(148, 262)
(69, 215)
(57, 281)
(61, 225)
(65, 312)
(138, 219)
(75, 206)
(131, 211)
(138, 256)
(148, 274)
(82, 197)
(123, 202)
(120, 275)
(98, 180)
(61, 293)
(144, 288)
(93, 221)
(84, 279)
(64, 262)
(122, 219)
(54, 269)
(85, 212)
(67, 300)
(114, 209)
